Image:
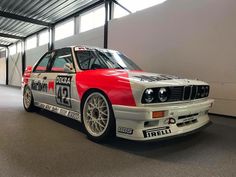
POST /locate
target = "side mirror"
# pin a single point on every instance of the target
(68, 68)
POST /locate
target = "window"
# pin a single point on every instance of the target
(84, 58)
(43, 37)
(133, 6)
(64, 29)
(12, 49)
(62, 57)
(88, 60)
(31, 42)
(101, 59)
(92, 19)
(117, 60)
(18, 47)
(119, 11)
(42, 65)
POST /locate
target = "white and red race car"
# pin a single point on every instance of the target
(111, 95)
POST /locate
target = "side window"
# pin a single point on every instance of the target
(97, 64)
(42, 65)
(87, 60)
(62, 57)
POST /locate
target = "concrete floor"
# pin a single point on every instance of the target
(39, 144)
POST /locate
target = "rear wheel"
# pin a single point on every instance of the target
(98, 118)
(28, 100)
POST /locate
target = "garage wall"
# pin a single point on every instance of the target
(93, 37)
(189, 38)
(2, 67)
(33, 55)
(15, 69)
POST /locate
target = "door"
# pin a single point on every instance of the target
(62, 75)
(38, 80)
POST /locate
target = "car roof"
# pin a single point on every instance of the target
(83, 46)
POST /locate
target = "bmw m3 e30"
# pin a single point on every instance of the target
(110, 95)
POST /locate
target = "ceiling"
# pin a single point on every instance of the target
(21, 18)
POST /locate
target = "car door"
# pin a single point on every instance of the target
(38, 80)
(63, 80)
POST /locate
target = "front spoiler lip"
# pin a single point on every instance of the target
(176, 136)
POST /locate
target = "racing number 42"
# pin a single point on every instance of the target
(62, 95)
(63, 90)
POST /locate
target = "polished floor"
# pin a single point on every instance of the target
(43, 144)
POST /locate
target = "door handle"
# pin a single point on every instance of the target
(38, 75)
(45, 77)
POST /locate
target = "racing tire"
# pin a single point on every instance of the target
(98, 117)
(28, 100)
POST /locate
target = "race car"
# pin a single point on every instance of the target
(111, 96)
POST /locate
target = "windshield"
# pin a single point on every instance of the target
(103, 59)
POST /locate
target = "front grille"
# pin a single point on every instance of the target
(191, 92)
(187, 92)
(194, 92)
(176, 93)
(188, 121)
(182, 93)
(182, 124)
(186, 116)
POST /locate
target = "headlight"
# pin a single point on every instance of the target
(149, 95)
(162, 94)
(207, 91)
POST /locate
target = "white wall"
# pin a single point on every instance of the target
(15, 70)
(189, 38)
(33, 55)
(92, 37)
(3, 70)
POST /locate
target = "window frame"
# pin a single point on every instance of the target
(51, 57)
(29, 38)
(131, 10)
(40, 37)
(49, 69)
(89, 12)
(62, 24)
(94, 53)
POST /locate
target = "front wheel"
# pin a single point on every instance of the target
(98, 118)
(28, 100)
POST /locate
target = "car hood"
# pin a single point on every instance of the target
(138, 78)
(125, 87)
(159, 80)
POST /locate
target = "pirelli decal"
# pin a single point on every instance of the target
(156, 132)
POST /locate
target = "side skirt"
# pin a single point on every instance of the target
(64, 112)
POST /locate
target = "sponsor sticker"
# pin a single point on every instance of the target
(188, 119)
(39, 86)
(125, 130)
(63, 90)
(156, 132)
(80, 48)
(160, 77)
(74, 115)
(64, 112)
(51, 86)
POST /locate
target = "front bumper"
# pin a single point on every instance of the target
(136, 123)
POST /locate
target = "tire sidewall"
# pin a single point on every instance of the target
(31, 108)
(110, 130)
